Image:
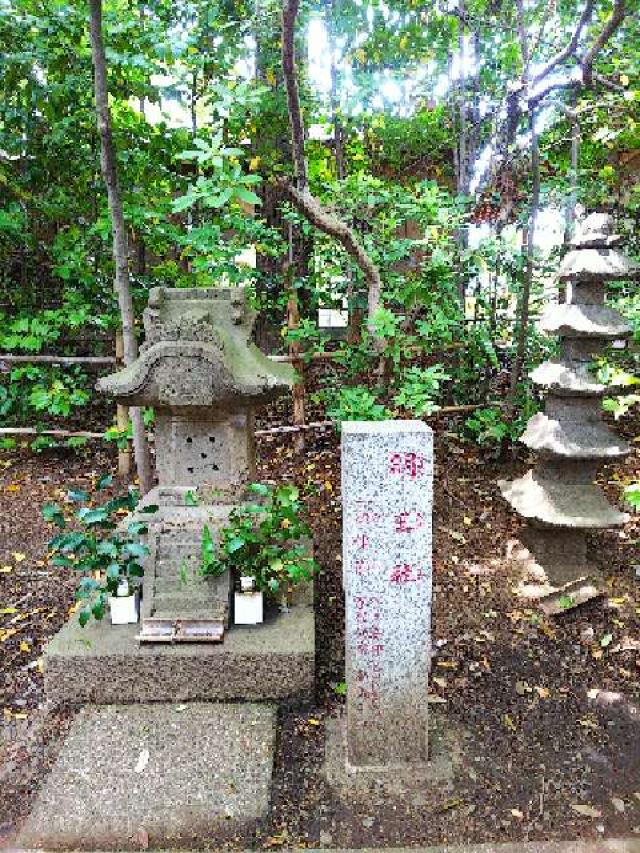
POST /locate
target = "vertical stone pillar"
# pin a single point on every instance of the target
(387, 474)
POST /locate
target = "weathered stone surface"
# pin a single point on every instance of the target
(597, 264)
(557, 504)
(203, 375)
(559, 497)
(387, 470)
(584, 321)
(206, 775)
(103, 664)
(577, 440)
(570, 379)
(198, 353)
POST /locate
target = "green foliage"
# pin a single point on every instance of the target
(104, 557)
(419, 389)
(226, 183)
(354, 403)
(264, 541)
(632, 495)
(487, 426)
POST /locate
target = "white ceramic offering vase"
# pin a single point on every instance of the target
(248, 603)
(123, 605)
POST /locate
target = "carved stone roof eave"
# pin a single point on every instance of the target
(567, 380)
(255, 377)
(593, 264)
(584, 321)
(561, 505)
(571, 440)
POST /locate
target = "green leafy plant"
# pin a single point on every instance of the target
(632, 495)
(103, 555)
(419, 388)
(354, 403)
(264, 541)
(487, 426)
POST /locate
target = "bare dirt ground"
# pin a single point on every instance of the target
(513, 684)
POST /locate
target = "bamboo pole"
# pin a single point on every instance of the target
(293, 323)
(88, 361)
(122, 415)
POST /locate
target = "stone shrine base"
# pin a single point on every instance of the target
(399, 781)
(105, 664)
(533, 583)
(143, 775)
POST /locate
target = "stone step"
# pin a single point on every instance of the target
(571, 380)
(198, 602)
(588, 264)
(573, 440)
(585, 321)
(173, 774)
(556, 504)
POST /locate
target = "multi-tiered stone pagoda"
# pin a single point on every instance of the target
(558, 497)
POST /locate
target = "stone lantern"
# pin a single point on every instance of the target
(558, 497)
(203, 377)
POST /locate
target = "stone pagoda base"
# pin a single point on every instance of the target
(104, 663)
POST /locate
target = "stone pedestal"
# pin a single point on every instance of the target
(203, 376)
(558, 497)
(387, 471)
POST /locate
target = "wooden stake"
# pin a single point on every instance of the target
(122, 415)
(293, 322)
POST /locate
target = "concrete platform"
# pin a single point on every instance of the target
(179, 775)
(105, 664)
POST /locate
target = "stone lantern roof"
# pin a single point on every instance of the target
(198, 354)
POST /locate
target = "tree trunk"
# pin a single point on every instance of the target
(118, 233)
(523, 312)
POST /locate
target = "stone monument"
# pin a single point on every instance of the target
(558, 497)
(203, 377)
(387, 472)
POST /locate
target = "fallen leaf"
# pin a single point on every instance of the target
(143, 760)
(450, 804)
(5, 611)
(517, 813)
(313, 722)
(618, 804)
(586, 811)
(543, 692)
(18, 557)
(507, 720)
(25, 646)
(5, 569)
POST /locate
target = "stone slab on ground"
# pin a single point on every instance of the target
(105, 664)
(361, 783)
(179, 774)
(606, 845)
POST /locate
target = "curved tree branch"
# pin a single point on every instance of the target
(300, 197)
(571, 47)
(617, 16)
